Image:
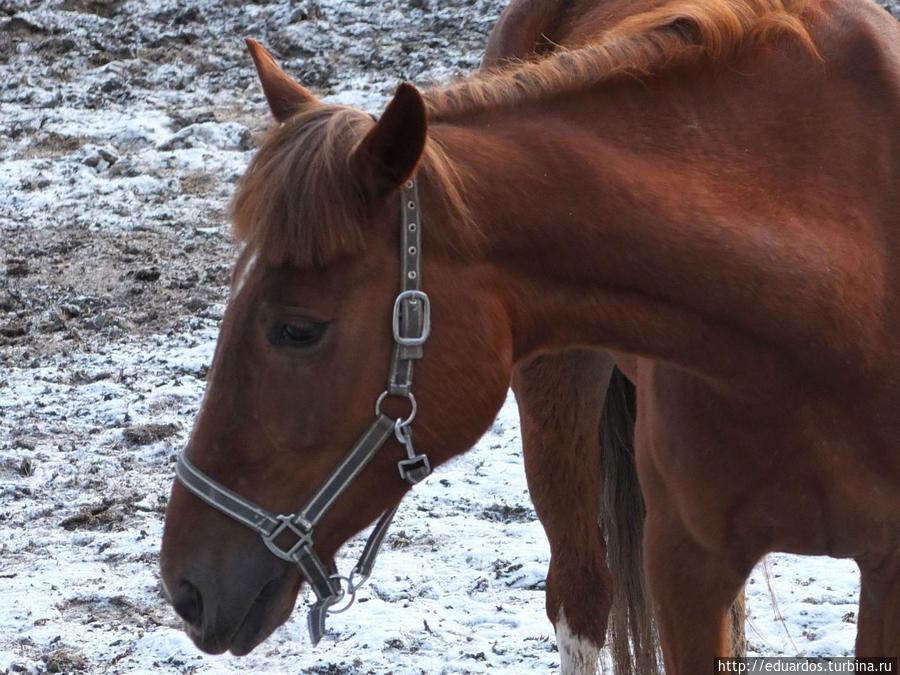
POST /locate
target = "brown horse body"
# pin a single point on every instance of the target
(574, 432)
(706, 190)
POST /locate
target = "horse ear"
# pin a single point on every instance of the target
(285, 96)
(390, 152)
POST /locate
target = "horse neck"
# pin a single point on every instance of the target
(643, 220)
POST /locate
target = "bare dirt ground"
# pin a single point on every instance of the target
(125, 124)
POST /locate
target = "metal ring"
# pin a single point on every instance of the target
(350, 593)
(412, 413)
(402, 432)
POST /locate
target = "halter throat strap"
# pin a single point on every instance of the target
(411, 324)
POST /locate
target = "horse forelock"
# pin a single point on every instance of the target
(640, 45)
(300, 203)
(297, 203)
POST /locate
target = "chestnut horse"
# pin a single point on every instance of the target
(708, 191)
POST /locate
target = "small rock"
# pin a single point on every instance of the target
(52, 326)
(144, 317)
(21, 26)
(123, 168)
(84, 377)
(16, 267)
(145, 434)
(56, 45)
(147, 274)
(180, 120)
(188, 282)
(307, 11)
(99, 321)
(97, 157)
(71, 311)
(12, 330)
(110, 84)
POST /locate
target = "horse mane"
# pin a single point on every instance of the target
(299, 202)
(292, 204)
(639, 46)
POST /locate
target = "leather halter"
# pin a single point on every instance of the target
(411, 325)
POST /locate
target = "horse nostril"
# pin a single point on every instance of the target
(188, 602)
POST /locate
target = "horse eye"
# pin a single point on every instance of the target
(297, 333)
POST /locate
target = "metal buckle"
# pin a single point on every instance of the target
(412, 296)
(302, 530)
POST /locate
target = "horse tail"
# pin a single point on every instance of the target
(632, 637)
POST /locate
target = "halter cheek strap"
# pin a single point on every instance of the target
(411, 322)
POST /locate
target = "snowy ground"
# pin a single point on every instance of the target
(123, 126)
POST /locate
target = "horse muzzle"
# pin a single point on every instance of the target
(230, 609)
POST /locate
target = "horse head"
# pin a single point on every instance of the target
(328, 312)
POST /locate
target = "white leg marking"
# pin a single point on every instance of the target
(577, 655)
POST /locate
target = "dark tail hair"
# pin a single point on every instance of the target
(632, 637)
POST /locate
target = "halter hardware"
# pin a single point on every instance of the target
(415, 468)
(412, 297)
(302, 530)
(411, 325)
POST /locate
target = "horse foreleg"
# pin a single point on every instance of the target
(693, 590)
(878, 627)
(560, 400)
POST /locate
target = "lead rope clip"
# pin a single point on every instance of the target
(416, 467)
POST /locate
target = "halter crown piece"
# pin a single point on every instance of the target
(411, 323)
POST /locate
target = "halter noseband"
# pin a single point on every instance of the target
(411, 326)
